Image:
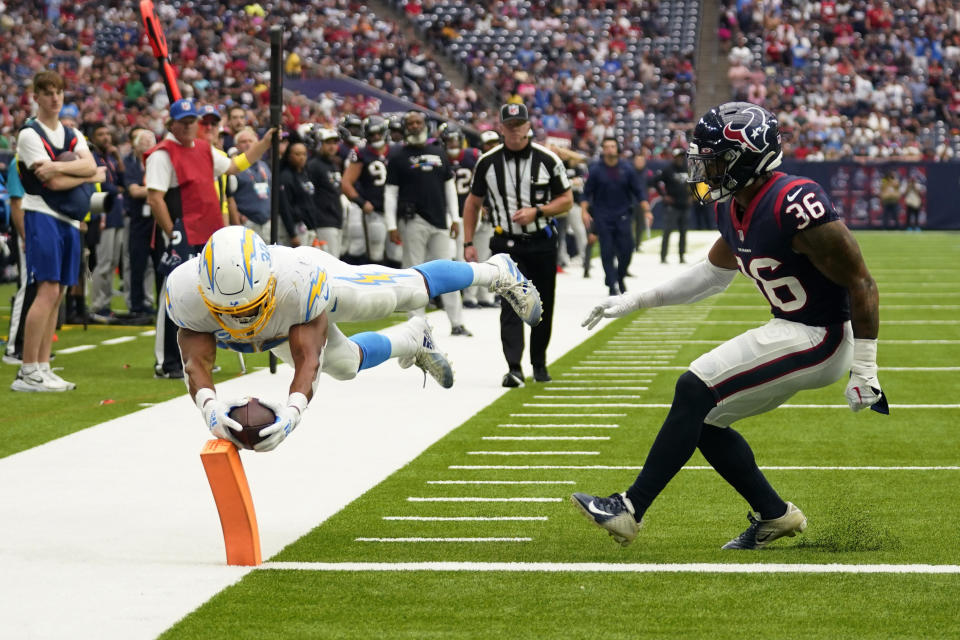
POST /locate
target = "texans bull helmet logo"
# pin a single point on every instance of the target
(750, 133)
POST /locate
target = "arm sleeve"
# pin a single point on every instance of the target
(390, 192)
(702, 280)
(453, 201)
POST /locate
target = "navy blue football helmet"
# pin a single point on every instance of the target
(375, 131)
(732, 145)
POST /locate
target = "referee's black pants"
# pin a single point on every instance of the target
(537, 258)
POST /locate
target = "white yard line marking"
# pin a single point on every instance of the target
(783, 406)
(588, 397)
(501, 482)
(149, 332)
(77, 349)
(557, 425)
(568, 415)
(119, 340)
(605, 388)
(605, 467)
(468, 518)
(479, 499)
(533, 453)
(442, 539)
(545, 438)
(599, 567)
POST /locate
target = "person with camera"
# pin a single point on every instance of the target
(420, 191)
(57, 194)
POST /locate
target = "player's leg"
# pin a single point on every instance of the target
(440, 246)
(624, 251)
(410, 342)
(683, 217)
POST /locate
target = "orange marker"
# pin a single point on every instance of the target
(238, 519)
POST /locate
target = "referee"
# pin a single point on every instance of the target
(526, 186)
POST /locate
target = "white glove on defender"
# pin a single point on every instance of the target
(215, 415)
(612, 307)
(863, 389)
(288, 417)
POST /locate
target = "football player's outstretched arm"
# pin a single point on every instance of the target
(306, 347)
(834, 251)
(700, 281)
(199, 352)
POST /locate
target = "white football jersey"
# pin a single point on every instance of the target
(309, 282)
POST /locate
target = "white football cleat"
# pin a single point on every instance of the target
(427, 357)
(515, 288)
(760, 533)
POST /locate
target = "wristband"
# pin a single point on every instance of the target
(467, 244)
(204, 396)
(359, 201)
(241, 161)
(298, 401)
(864, 356)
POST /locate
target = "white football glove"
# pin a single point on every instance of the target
(863, 389)
(612, 307)
(288, 417)
(215, 415)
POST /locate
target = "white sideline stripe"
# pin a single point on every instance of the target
(545, 438)
(783, 406)
(77, 349)
(762, 321)
(588, 397)
(533, 453)
(605, 388)
(568, 415)
(149, 332)
(442, 539)
(683, 342)
(479, 499)
(468, 518)
(912, 307)
(603, 567)
(119, 340)
(501, 482)
(605, 467)
(557, 425)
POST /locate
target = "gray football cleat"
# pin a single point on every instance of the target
(760, 533)
(427, 357)
(614, 514)
(514, 287)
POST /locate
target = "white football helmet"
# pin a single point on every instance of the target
(237, 282)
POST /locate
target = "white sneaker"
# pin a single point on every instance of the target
(514, 287)
(36, 381)
(427, 357)
(50, 375)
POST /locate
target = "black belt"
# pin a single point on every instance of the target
(546, 232)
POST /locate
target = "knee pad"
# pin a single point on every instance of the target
(341, 357)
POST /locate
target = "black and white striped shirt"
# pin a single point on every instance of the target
(511, 180)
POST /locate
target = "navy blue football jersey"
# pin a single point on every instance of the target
(463, 173)
(373, 175)
(761, 239)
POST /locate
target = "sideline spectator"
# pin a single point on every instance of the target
(298, 209)
(672, 184)
(110, 246)
(890, 199)
(326, 176)
(57, 196)
(139, 228)
(253, 188)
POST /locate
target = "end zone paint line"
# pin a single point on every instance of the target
(443, 539)
(597, 567)
(468, 518)
(607, 467)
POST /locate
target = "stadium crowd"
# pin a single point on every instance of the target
(849, 79)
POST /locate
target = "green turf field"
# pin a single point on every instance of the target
(495, 491)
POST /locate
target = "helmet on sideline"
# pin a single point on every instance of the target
(237, 282)
(452, 138)
(351, 129)
(733, 144)
(375, 131)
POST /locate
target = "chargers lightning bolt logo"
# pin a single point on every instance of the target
(318, 290)
(373, 278)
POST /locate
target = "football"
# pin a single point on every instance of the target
(252, 416)
(66, 156)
